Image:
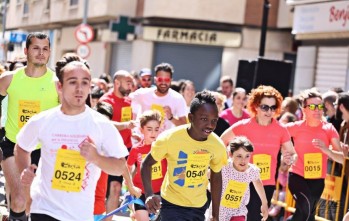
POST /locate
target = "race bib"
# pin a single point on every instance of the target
(156, 169)
(312, 165)
(158, 108)
(126, 114)
(233, 194)
(69, 171)
(263, 162)
(196, 168)
(26, 109)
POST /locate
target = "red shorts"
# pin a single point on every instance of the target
(237, 218)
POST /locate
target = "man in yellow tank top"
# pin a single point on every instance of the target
(30, 89)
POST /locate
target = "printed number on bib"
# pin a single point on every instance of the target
(312, 165)
(263, 162)
(69, 171)
(195, 173)
(156, 169)
(26, 109)
(233, 194)
(126, 114)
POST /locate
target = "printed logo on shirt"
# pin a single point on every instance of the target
(192, 168)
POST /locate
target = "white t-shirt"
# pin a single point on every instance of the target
(55, 130)
(144, 98)
(230, 173)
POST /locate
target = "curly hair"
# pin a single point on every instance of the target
(262, 91)
(68, 58)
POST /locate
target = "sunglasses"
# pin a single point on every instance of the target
(161, 79)
(314, 106)
(266, 108)
(146, 79)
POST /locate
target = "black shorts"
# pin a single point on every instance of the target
(41, 217)
(140, 207)
(8, 146)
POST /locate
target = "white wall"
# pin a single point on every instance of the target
(210, 10)
(305, 68)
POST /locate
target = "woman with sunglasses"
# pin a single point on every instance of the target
(312, 137)
(267, 136)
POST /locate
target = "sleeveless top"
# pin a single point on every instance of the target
(27, 97)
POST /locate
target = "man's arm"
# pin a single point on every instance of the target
(153, 203)
(178, 121)
(124, 125)
(110, 165)
(22, 158)
(5, 80)
(216, 191)
(289, 154)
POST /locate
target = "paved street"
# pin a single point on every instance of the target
(3, 209)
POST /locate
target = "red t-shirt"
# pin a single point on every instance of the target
(137, 154)
(311, 159)
(267, 141)
(100, 194)
(121, 112)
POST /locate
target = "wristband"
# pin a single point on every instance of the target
(170, 118)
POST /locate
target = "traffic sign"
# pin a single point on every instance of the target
(84, 33)
(83, 50)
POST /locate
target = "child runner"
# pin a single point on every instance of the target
(237, 176)
(149, 127)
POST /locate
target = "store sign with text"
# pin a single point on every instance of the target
(321, 18)
(192, 36)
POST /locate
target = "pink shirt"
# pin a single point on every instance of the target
(302, 137)
(228, 115)
(267, 141)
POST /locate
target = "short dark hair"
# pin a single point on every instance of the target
(343, 98)
(202, 97)
(240, 142)
(228, 79)
(61, 64)
(309, 93)
(39, 35)
(105, 109)
(164, 67)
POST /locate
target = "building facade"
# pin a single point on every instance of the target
(201, 38)
(322, 28)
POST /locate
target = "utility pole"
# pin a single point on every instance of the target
(84, 19)
(4, 10)
(264, 27)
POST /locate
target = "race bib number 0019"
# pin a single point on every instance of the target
(69, 171)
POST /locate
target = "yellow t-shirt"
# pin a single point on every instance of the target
(28, 96)
(186, 179)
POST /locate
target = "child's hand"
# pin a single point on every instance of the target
(135, 191)
(264, 212)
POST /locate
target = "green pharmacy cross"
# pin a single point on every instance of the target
(123, 27)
